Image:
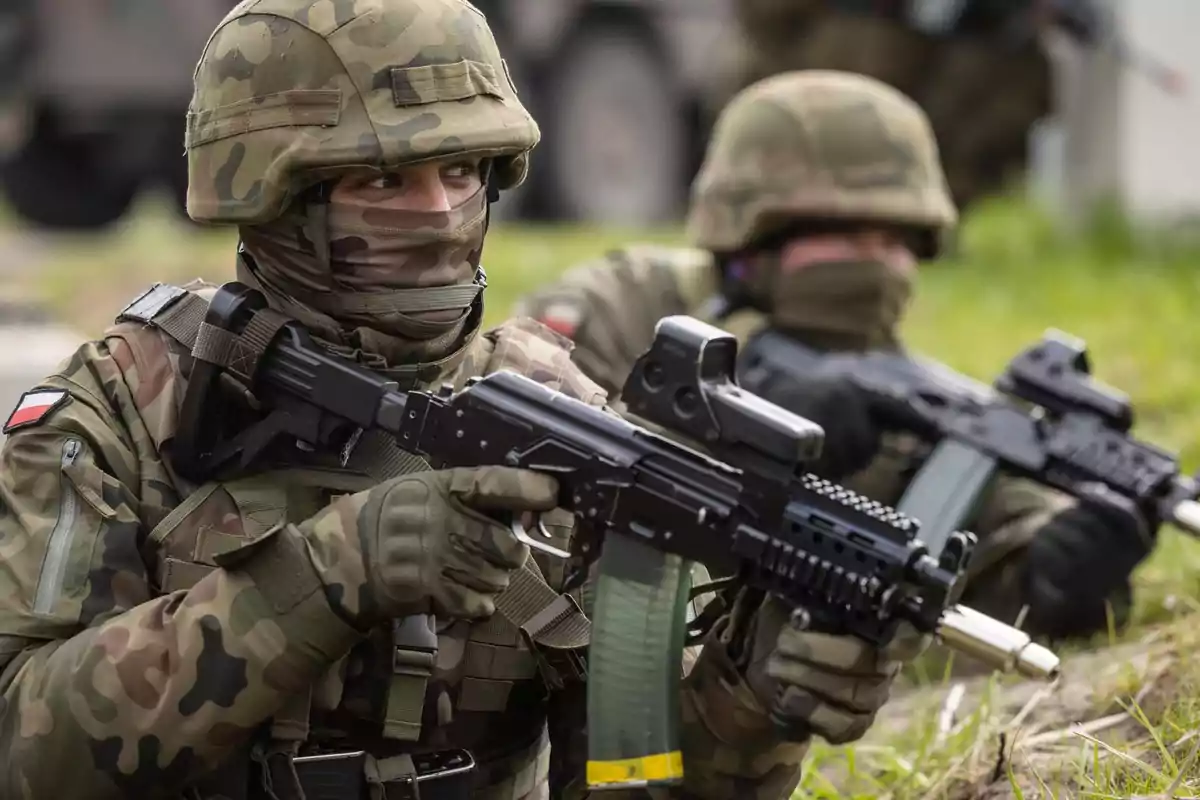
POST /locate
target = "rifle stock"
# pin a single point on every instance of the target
(645, 506)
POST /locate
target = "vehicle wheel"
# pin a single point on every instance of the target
(616, 139)
(63, 183)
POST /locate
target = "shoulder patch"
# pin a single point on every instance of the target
(33, 407)
(563, 317)
(151, 303)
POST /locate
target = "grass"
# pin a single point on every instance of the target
(1121, 722)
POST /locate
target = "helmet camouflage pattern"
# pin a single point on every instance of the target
(292, 92)
(820, 145)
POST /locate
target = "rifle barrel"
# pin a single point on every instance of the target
(998, 645)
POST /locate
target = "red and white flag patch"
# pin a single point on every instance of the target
(562, 318)
(33, 407)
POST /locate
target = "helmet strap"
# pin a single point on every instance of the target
(488, 169)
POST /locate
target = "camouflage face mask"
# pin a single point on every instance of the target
(411, 273)
(399, 285)
(859, 302)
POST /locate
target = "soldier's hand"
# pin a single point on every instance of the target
(833, 401)
(816, 683)
(430, 541)
(1081, 558)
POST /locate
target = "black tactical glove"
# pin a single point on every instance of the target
(1080, 560)
(831, 400)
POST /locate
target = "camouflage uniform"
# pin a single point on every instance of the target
(816, 148)
(347, 610)
(982, 86)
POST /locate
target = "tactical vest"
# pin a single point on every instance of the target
(533, 636)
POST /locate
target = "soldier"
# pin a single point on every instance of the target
(977, 68)
(336, 624)
(819, 193)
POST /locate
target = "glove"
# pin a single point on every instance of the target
(1082, 558)
(421, 543)
(817, 683)
(831, 400)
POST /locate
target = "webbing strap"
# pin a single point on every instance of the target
(180, 314)
(414, 655)
(546, 617)
(182, 319)
(177, 312)
(377, 454)
(239, 353)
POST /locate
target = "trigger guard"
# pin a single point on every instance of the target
(519, 530)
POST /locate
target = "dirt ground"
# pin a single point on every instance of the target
(1031, 739)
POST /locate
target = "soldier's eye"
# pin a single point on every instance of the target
(461, 169)
(389, 180)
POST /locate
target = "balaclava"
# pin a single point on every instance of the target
(836, 291)
(399, 291)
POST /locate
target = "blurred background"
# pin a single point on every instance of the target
(1069, 132)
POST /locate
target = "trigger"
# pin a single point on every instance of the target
(539, 540)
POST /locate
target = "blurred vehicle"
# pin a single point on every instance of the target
(93, 96)
(624, 91)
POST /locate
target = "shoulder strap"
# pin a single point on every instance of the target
(180, 314)
(177, 312)
(545, 617)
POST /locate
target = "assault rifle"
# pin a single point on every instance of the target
(645, 506)
(1074, 438)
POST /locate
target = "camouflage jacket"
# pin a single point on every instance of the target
(130, 654)
(609, 307)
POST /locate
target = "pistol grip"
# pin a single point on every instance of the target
(634, 666)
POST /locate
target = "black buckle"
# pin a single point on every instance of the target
(441, 775)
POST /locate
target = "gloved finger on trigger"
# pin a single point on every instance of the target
(835, 725)
(504, 488)
(853, 694)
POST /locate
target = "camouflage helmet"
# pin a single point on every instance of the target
(818, 145)
(292, 92)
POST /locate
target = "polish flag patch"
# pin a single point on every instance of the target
(562, 318)
(33, 407)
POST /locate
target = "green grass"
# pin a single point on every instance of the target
(1133, 300)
